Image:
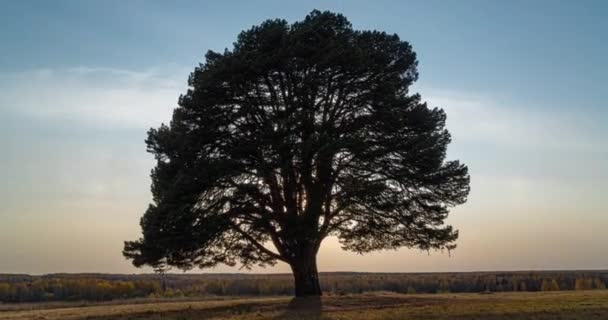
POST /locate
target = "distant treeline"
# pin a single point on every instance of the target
(103, 287)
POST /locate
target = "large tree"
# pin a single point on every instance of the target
(300, 132)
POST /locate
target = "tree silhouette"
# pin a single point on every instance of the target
(300, 132)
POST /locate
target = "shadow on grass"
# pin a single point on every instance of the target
(309, 308)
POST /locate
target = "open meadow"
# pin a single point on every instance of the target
(522, 305)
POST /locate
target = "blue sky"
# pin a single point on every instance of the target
(523, 84)
(533, 48)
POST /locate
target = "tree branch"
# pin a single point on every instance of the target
(258, 245)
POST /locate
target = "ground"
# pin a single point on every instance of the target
(529, 305)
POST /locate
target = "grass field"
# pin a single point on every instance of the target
(552, 305)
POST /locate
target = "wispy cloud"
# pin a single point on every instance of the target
(100, 97)
(111, 97)
(484, 119)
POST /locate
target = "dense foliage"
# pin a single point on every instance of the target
(99, 287)
(301, 131)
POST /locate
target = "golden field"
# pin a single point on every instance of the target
(526, 305)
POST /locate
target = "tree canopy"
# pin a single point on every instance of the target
(300, 132)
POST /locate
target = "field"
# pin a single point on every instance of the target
(523, 305)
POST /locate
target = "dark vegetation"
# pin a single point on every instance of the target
(103, 287)
(299, 132)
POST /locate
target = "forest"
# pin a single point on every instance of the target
(104, 287)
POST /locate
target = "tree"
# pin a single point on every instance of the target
(549, 285)
(300, 132)
(161, 271)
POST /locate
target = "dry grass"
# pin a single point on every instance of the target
(554, 305)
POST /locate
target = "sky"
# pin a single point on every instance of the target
(523, 83)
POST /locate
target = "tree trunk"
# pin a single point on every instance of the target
(306, 277)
